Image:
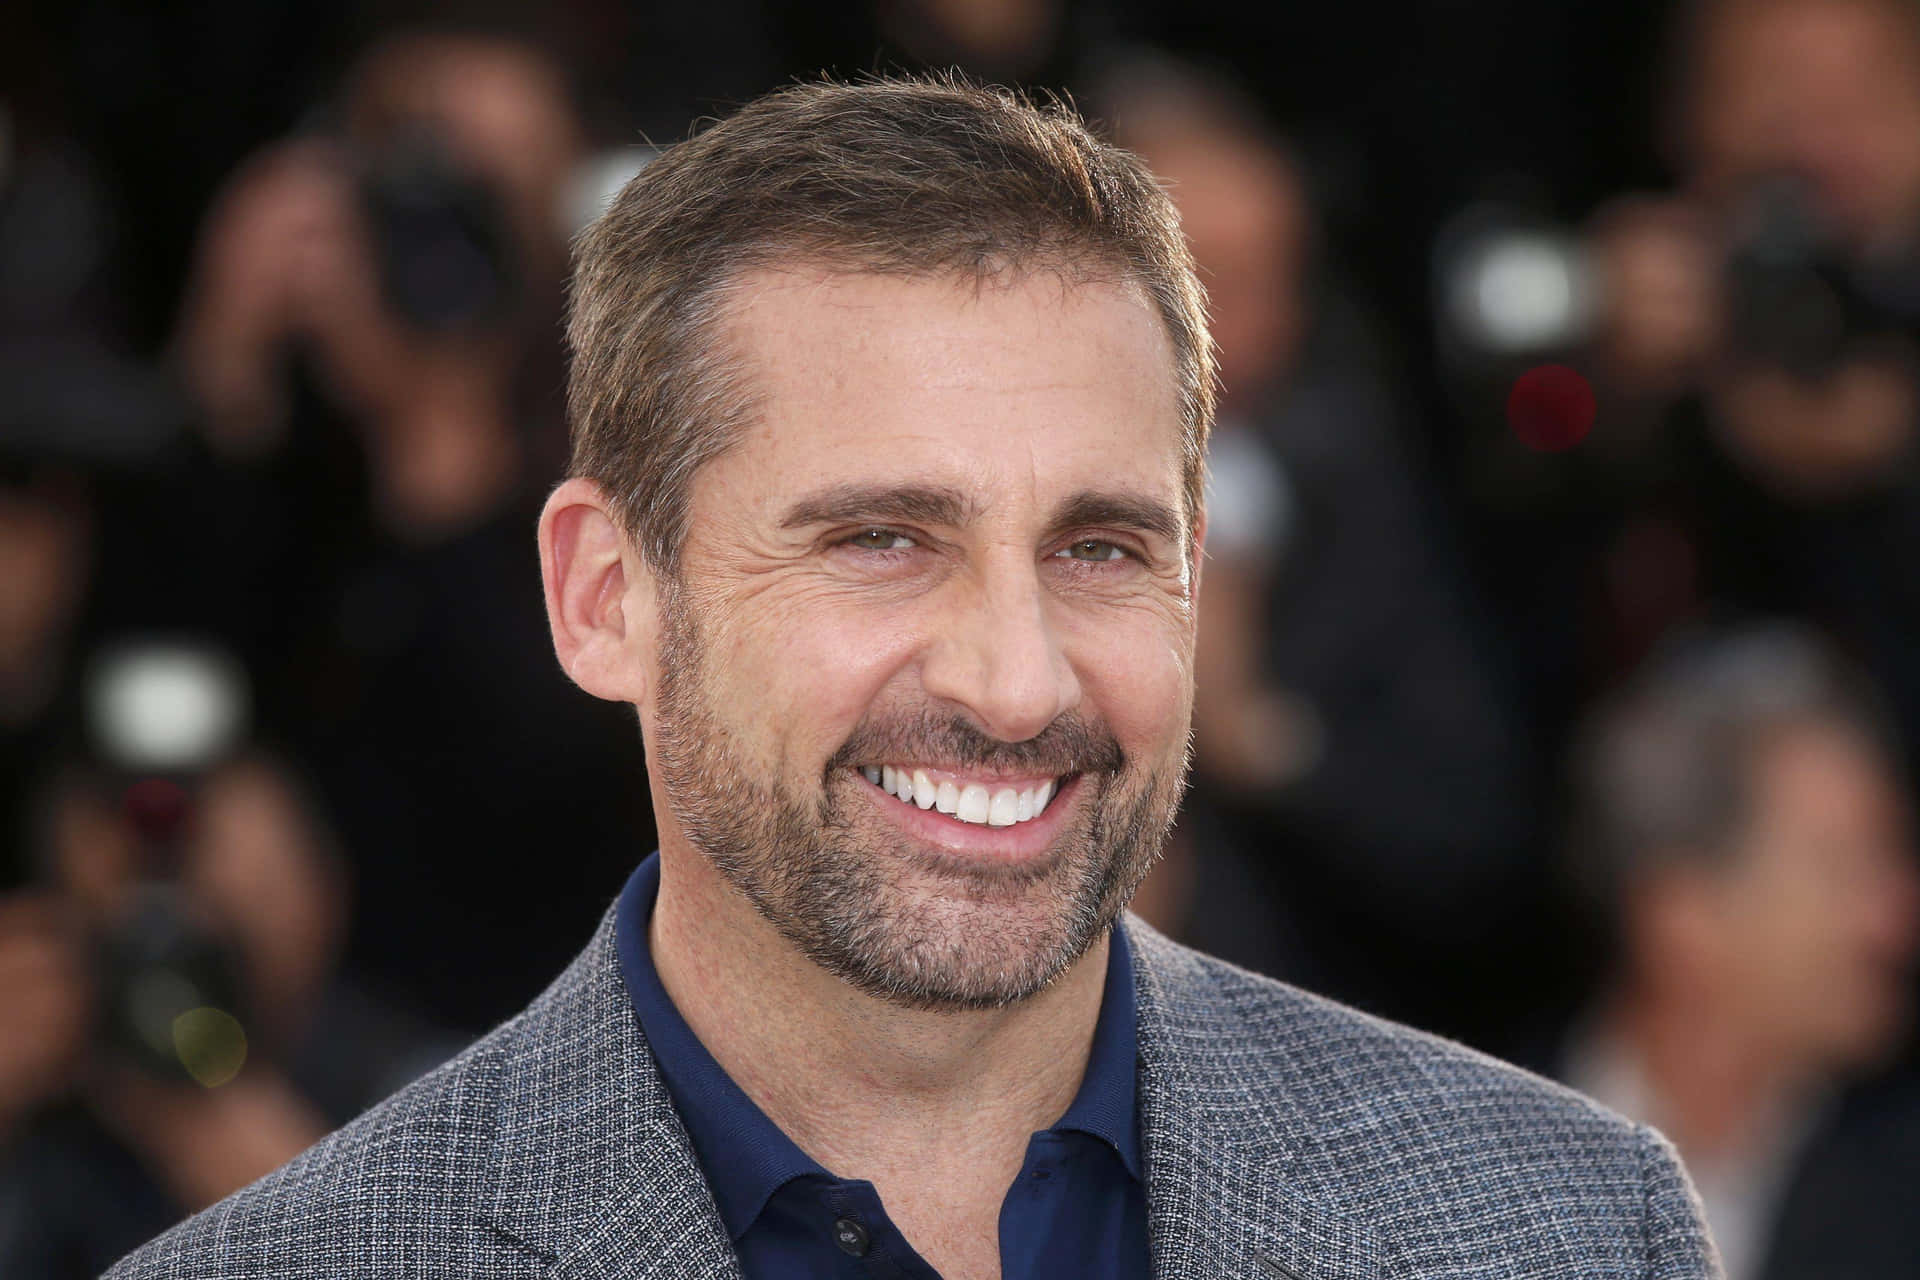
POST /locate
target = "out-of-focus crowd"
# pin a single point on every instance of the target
(1559, 684)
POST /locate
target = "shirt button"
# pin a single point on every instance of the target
(851, 1237)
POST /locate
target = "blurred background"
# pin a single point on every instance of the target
(1560, 673)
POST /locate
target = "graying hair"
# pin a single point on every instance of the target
(911, 177)
(1662, 773)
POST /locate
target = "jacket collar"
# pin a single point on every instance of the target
(591, 1169)
(1225, 1118)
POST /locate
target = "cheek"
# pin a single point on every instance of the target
(797, 679)
(1139, 679)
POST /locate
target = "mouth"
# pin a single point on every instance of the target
(978, 801)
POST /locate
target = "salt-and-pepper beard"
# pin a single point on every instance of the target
(801, 863)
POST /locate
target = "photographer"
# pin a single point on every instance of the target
(371, 333)
(1746, 847)
(1354, 816)
(1797, 129)
(1753, 343)
(174, 1025)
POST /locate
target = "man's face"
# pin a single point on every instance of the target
(1825, 89)
(1821, 910)
(951, 549)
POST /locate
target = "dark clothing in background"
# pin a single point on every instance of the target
(454, 756)
(415, 683)
(74, 1197)
(1847, 565)
(1848, 1211)
(1379, 872)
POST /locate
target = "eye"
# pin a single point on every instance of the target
(1092, 549)
(879, 540)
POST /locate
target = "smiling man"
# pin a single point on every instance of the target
(890, 403)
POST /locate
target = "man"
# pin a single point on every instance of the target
(890, 404)
(1748, 836)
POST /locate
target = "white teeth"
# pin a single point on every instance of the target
(969, 802)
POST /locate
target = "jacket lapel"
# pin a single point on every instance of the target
(1219, 1134)
(591, 1169)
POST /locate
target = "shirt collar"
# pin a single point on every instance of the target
(1104, 1107)
(747, 1157)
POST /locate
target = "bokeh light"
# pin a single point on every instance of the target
(211, 1043)
(1551, 408)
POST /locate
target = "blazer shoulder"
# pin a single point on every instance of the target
(1382, 1099)
(1330, 1048)
(1447, 1153)
(388, 1194)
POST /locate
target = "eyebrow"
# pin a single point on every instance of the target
(938, 505)
(1120, 511)
(851, 503)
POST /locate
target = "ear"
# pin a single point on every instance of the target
(600, 595)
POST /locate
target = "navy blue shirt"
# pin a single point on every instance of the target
(1078, 1206)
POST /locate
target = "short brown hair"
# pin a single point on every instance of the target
(1662, 770)
(920, 176)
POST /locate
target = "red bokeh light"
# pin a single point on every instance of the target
(157, 807)
(1551, 408)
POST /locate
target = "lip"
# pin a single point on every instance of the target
(1027, 841)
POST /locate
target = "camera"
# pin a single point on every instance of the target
(442, 245)
(1796, 298)
(1515, 288)
(160, 716)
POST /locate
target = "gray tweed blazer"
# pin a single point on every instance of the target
(1285, 1137)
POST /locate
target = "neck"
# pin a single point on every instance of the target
(1719, 1085)
(906, 1097)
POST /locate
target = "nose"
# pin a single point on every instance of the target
(998, 656)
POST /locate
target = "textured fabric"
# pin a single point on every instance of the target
(1077, 1202)
(1283, 1136)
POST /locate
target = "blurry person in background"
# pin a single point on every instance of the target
(46, 530)
(172, 1024)
(371, 333)
(1754, 345)
(79, 412)
(1749, 841)
(1355, 766)
(411, 254)
(1773, 304)
(1004, 41)
(1785, 275)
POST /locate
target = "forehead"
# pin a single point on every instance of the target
(1004, 388)
(1783, 46)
